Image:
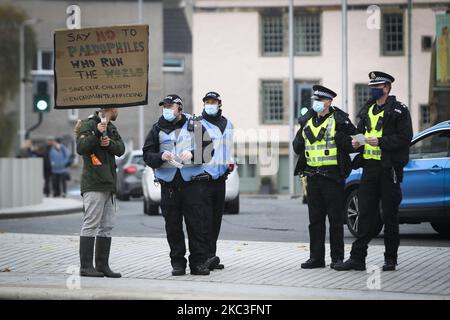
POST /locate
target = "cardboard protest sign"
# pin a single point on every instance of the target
(101, 67)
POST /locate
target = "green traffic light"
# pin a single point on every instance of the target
(42, 105)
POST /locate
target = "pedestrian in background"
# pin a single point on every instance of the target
(59, 158)
(47, 165)
(98, 142)
(43, 151)
(27, 150)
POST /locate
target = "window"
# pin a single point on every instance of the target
(272, 35)
(435, 145)
(173, 65)
(425, 117)
(307, 34)
(73, 114)
(303, 97)
(362, 95)
(427, 43)
(47, 60)
(393, 34)
(138, 160)
(272, 98)
(44, 60)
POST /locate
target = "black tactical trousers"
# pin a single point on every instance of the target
(377, 184)
(216, 194)
(185, 200)
(325, 198)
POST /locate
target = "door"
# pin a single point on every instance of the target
(283, 176)
(424, 176)
(248, 178)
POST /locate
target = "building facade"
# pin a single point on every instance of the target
(164, 45)
(240, 49)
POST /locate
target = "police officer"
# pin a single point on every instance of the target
(323, 145)
(170, 149)
(219, 130)
(386, 125)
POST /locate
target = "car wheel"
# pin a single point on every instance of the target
(123, 197)
(442, 228)
(352, 215)
(232, 207)
(145, 202)
(152, 208)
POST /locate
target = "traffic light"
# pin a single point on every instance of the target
(41, 97)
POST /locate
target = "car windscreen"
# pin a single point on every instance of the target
(138, 160)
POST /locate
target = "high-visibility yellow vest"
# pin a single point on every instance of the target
(369, 151)
(322, 150)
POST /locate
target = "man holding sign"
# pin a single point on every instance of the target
(107, 68)
(98, 142)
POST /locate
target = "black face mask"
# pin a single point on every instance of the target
(376, 93)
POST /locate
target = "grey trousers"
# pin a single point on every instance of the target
(98, 214)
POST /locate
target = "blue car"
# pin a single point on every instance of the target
(425, 186)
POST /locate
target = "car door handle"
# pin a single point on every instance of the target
(436, 168)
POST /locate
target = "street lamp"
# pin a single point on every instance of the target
(141, 108)
(22, 26)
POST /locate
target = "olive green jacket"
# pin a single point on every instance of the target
(98, 176)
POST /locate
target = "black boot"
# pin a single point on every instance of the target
(102, 248)
(313, 264)
(200, 270)
(86, 254)
(335, 262)
(389, 264)
(214, 263)
(178, 270)
(350, 264)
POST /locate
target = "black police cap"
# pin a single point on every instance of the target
(212, 95)
(323, 92)
(171, 99)
(378, 77)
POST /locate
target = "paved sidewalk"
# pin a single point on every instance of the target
(48, 207)
(39, 266)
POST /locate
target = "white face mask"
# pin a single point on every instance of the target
(318, 106)
(169, 114)
(211, 109)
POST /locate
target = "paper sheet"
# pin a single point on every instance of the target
(176, 164)
(359, 138)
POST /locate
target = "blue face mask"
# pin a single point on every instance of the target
(376, 93)
(168, 114)
(318, 106)
(211, 109)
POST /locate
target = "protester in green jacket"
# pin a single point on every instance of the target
(98, 142)
(99, 177)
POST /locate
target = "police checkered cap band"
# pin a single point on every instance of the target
(379, 80)
(171, 99)
(322, 94)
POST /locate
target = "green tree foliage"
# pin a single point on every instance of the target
(10, 19)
